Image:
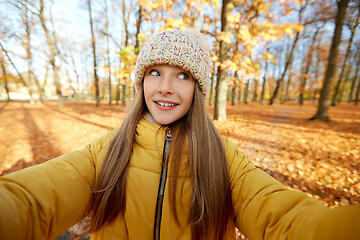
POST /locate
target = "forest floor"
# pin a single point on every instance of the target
(319, 158)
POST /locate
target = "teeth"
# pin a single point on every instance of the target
(166, 104)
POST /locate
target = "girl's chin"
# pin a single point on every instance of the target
(164, 120)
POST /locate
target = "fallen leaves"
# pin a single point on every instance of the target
(319, 158)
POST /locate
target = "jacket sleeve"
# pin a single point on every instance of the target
(265, 209)
(43, 201)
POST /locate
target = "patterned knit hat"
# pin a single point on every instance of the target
(186, 49)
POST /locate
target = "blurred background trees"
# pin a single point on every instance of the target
(262, 50)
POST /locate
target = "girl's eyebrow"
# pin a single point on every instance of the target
(151, 68)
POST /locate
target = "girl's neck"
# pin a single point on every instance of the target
(149, 117)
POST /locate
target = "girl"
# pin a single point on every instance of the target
(166, 173)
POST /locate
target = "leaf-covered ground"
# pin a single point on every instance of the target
(321, 159)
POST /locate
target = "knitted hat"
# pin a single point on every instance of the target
(186, 49)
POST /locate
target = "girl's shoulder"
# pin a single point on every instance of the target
(229, 146)
(102, 142)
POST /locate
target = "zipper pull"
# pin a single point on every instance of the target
(168, 137)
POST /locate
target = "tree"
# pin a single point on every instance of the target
(289, 58)
(255, 95)
(17, 71)
(322, 110)
(138, 28)
(93, 45)
(246, 91)
(225, 44)
(357, 92)
(305, 75)
(266, 58)
(285, 96)
(352, 28)
(26, 19)
(4, 76)
(108, 50)
(234, 89)
(51, 42)
(212, 80)
(356, 73)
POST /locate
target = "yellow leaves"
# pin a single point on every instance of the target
(268, 56)
(299, 27)
(127, 55)
(142, 37)
(289, 31)
(247, 60)
(216, 3)
(228, 64)
(264, 8)
(172, 23)
(350, 180)
(102, 67)
(227, 38)
(246, 37)
(148, 4)
(214, 58)
(128, 59)
(291, 28)
(231, 18)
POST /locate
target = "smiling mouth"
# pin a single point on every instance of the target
(165, 104)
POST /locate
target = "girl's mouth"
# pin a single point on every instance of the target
(166, 104)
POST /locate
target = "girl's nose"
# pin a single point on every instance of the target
(165, 86)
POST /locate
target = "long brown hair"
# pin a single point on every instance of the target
(211, 205)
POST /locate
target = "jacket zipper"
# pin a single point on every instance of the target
(160, 196)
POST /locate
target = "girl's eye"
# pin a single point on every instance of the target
(154, 73)
(183, 76)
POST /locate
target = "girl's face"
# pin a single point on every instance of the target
(168, 92)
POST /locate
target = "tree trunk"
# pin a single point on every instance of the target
(211, 93)
(234, 90)
(262, 100)
(94, 56)
(138, 28)
(108, 51)
(286, 97)
(26, 22)
(357, 92)
(307, 68)
(255, 95)
(289, 59)
(287, 64)
(355, 76)
(225, 44)
(52, 57)
(17, 71)
(239, 91)
(117, 93)
(5, 77)
(322, 111)
(77, 76)
(315, 89)
(39, 87)
(342, 88)
(353, 31)
(126, 26)
(246, 91)
(124, 94)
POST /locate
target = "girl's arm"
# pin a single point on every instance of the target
(265, 209)
(43, 201)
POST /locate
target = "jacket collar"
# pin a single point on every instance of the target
(149, 135)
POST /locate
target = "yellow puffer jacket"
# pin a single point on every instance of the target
(43, 201)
